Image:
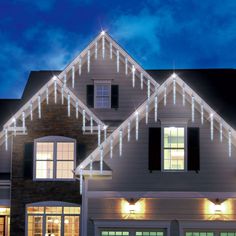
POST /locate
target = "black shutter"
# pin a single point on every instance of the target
(154, 151)
(90, 95)
(28, 160)
(193, 149)
(114, 96)
(81, 153)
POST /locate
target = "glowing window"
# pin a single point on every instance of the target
(114, 233)
(228, 234)
(199, 234)
(149, 233)
(174, 144)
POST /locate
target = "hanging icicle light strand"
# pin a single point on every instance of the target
(77, 110)
(47, 95)
(128, 132)
(14, 125)
(6, 138)
(118, 61)
(183, 94)
(65, 79)
(99, 135)
(81, 180)
(133, 76)
(62, 94)
(91, 124)
(101, 159)
(221, 132)
(96, 51)
(230, 142)
(120, 142)
(84, 117)
(31, 111)
(148, 89)
(174, 91)
(73, 76)
(136, 125)
(55, 91)
(146, 115)
(193, 109)
(68, 105)
(202, 113)
(155, 108)
(165, 95)
(126, 66)
(212, 126)
(80, 66)
(110, 50)
(91, 166)
(39, 106)
(103, 47)
(23, 121)
(88, 61)
(141, 80)
(111, 147)
(105, 132)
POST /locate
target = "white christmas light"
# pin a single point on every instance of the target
(31, 111)
(103, 47)
(183, 95)
(174, 91)
(81, 180)
(68, 105)
(136, 125)
(23, 121)
(14, 125)
(202, 113)
(73, 76)
(126, 66)
(118, 60)
(91, 166)
(88, 60)
(47, 95)
(6, 138)
(148, 89)
(147, 111)
(103, 32)
(101, 159)
(230, 142)
(80, 66)
(111, 147)
(155, 107)
(212, 126)
(133, 76)
(39, 106)
(99, 135)
(77, 110)
(96, 51)
(221, 132)
(55, 91)
(65, 79)
(193, 109)
(141, 80)
(105, 132)
(128, 132)
(120, 142)
(165, 95)
(110, 50)
(84, 117)
(91, 124)
(62, 94)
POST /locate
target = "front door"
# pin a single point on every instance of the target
(2, 225)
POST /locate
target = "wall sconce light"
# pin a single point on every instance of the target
(132, 205)
(218, 208)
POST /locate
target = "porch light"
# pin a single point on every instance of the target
(218, 208)
(132, 207)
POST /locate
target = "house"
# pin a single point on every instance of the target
(105, 148)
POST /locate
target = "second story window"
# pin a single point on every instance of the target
(54, 158)
(174, 148)
(102, 95)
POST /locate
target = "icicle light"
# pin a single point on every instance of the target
(23, 121)
(133, 76)
(101, 159)
(55, 91)
(91, 124)
(193, 109)
(120, 142)
(96, 51)
(84, 117)
(73, 76)
(64, 80)
(155, 107)
(221, 132)
(146, 113)
(68, 105)
(81, 180)
(88, 60)
(77, 110)
(174, 91)
(6, 138)
(118, 60)
(202, 113)
(47, 95)
(165, 95)
(183, 95)
(99, 135)
(230, 142)
(141, 80)
(103, 47)
(136, 125)
(105, 132)
(126, 66)
(128, 131)
(91, 166)
(39, 106)
(111, 147)
(31, 111)
(148, 89)
(14, 125)
(80, 66)
(110, 50)
(212, 126)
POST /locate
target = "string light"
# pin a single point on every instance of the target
(148, 89)
(165, 95)
(120, 142)
(183, 94)
(23, 121)
(155, 108)
(110, 50)
(221, 132)
(126, 66)
(14, 125)
(147, 111)
(229, 142)
(6, 138)
(101, 159)
(81, 180)
(99, 135)
(202, 113)
(111, 147)
(118, 60)
(73, 76)
(39, 106)
(174, 91)
(31, 111)
(193, 109)
(68, 105)
(55, 91)
(62, 94)
(105, 132)
(128, 133)
(136, 125)
(80, 66)
(96, 50)
(133, 76)
(212, 126)
(84, 116)
(91, 124)
(141, 80)
(47, 96)
(65, 79)
(103, 47)
(91, 166)
(88, 60)
(77, 110)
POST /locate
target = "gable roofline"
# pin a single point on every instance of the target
(159, 93)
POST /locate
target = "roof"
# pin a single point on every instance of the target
(215, 86)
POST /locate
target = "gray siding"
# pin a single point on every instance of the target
(5, 158)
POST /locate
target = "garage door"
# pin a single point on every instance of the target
(131, 232)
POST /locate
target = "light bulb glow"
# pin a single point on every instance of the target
(128, 132)
(212, 126)
(39, 106)
(136, 125)
(165, 95)
(101, 159)
(202, 114)
(55, 91)
(47, 95)
(174, 91)
(117, 61)
(88, 61)
(155, 108)
(73, 76)
(68, 105)
(103, 32)
(103, 47)
(80, 66)
(193, 109)
(221, 132)
(96, 51)
(133, 76)
(126, 66)
(6, 139)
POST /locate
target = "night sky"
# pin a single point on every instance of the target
(159, 34)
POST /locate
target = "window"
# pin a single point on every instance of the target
(199, 234)
(53, 220)
(149, 234)
(114, 233)
(228, 234)
(102, 95)
(174, 145)
(54, 158)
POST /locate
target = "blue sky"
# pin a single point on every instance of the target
(159, 34)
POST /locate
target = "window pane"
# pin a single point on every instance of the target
(72, 210)
(64, 169)
(44, 151)
(35, 225)
(44, 169)
(65, 151)
(35, 210)
(114, 233)
(53, 210)
(53, 225)
(102, 96)
(71, 225)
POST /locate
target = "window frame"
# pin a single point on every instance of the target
(96, 84)
(185, 147)
(54, 140)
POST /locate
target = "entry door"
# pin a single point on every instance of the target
(2, 225)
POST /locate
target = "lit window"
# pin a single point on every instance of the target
(114, 233)
(228, 234)
(54, 159)
(174, 148)
(102, 95)
(53, 217)
(149, 233)
(199, 234)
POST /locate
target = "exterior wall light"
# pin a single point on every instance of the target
(218, 207)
